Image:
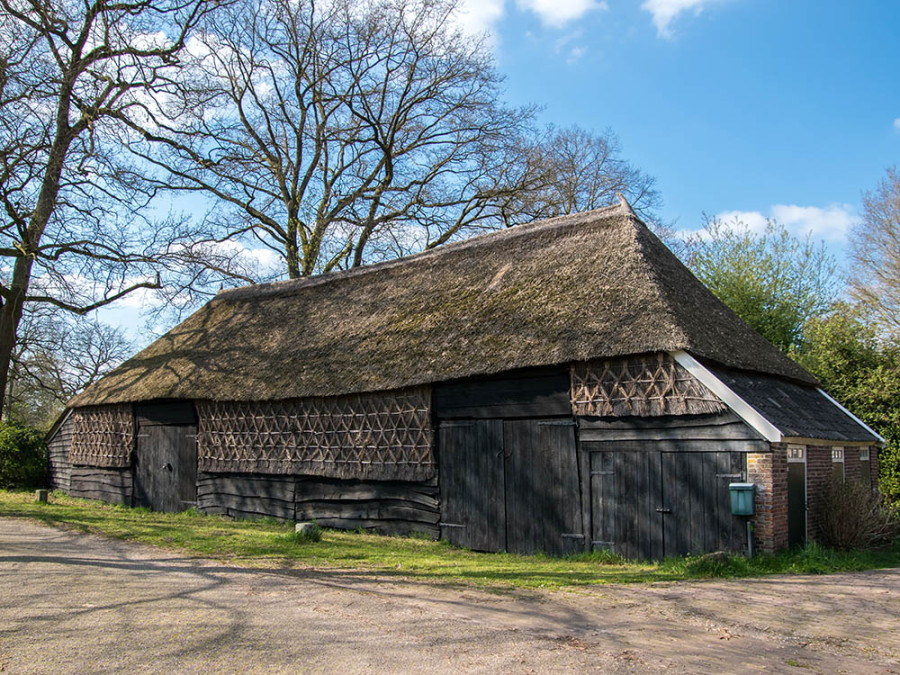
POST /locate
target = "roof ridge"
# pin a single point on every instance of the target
(274, 288)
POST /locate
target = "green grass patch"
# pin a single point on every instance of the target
(267, 543)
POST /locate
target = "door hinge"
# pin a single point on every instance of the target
(572, 536)
(663, 509)
(603, 473)
(450, 525)
(557, 423)
(730, 475)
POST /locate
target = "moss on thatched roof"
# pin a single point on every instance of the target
(590, 285)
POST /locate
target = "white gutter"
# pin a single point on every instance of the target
(740, 407)
(854, 417)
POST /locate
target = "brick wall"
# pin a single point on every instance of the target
(770, 524)
(819, 471)
(853, 468)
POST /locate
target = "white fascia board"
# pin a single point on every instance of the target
(740, 407)
(854, 417)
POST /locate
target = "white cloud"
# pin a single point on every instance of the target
(897, 124)
(831, 223)
(559, 12)
(479, 16)
(754, 220)
(664, 12)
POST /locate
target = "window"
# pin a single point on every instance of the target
(864, 454)
(796, 453)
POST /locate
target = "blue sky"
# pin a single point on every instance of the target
(767, 108)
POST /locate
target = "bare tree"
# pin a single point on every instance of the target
(57, 355)
(579, 170)
(340, 133)
(72, 234)
(875, 250)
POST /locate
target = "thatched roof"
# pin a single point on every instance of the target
(589, 285)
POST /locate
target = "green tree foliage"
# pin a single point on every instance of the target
(23, 457)
(774, 281)
(861, 370)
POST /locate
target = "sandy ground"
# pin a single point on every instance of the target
(75, 603)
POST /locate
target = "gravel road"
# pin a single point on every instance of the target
(77, 603)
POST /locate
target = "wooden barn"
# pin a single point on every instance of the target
(562, 386)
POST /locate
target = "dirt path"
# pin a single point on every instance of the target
(77, 603)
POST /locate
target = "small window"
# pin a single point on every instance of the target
(864, 454)
(796, 453)
(837, 454)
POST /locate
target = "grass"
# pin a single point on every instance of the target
(268, 543)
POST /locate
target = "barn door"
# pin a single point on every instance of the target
(626, 503)
(543, 505)
(651, 505)
(471, 466)
(695, 492)
(165, 473)
(510, 485)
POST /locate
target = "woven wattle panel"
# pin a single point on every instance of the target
(384, 436)
(649, 385)
(102, 436)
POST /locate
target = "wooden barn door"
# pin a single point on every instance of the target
(625, 503)
(165, 463)
(543, 504)
(510, 485)
(655, 504)
(471, 465)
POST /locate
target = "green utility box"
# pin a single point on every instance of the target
(742, 498)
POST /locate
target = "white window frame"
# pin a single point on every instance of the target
(796, 453)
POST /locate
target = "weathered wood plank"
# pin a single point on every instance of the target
(269, 487)
(382, 526)
(733, 432)
(675, 445)
(108, 485)
(665, 422)
(310, 490)
(165, 412)
(249, 503)
(532, 393)
(365, 511)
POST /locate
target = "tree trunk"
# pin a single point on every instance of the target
(10, 316)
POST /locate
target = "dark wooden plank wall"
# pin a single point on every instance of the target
(165, 412)
(696, 433)
(535, 392)
(246, 496)
(60, 468)
(108, 485)
(389, 507)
